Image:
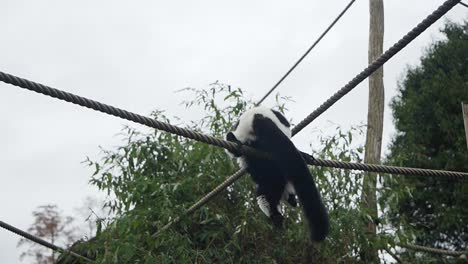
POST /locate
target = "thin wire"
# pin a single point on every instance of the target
(463, 4)
(41, 241)
(85, 102)
(403, 42)
(306, 53)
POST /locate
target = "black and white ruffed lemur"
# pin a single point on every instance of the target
(283, 177)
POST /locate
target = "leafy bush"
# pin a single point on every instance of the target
(155, 176)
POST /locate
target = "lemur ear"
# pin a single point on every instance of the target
(230, 137)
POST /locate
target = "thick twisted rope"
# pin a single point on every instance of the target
(384, 168)
(433, 250)
(184, 132)
(124, 114)
(403, 42)
(41, 241)
(307, 52)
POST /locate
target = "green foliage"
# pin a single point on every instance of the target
(430, 134)
(155, 176)
(341, 190)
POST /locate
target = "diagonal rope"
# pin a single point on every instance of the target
(403, 42)
(393, 255)
(433, 250)
(307, 52)
(41, 241)
(205, 199)
(463, 4)
(438, 13)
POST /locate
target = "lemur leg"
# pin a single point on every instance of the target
(230, 137)
(268, 199)
(289, 195)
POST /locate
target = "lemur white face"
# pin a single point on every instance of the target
(244, 130)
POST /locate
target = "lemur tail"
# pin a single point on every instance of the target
(291, 161)
(314, 209)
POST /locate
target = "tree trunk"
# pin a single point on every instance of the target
(465, 120)
(374, 128)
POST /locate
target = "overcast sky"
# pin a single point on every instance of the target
(135, 54)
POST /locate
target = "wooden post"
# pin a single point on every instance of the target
(465, 118)
(373, 147)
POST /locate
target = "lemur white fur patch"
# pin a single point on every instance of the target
(288, 189)
(244, 131)
(265, 206)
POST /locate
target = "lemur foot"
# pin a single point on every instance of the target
(277, 220)
(292, 200)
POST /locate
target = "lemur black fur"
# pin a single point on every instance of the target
(286, 175)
